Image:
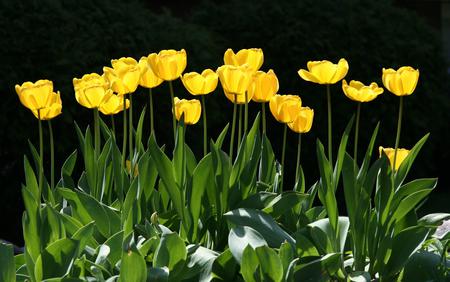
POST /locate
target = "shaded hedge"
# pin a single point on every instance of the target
(60, 40)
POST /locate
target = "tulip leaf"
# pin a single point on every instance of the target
(284, 202)
(341, 153)
(319, 269)
(412, 187)
(7, 266)
(242, 236)
(158, 274)
(138, 140)
(132, 266)
(271, 267)
(224, 266)
(409, 203)
(433, 219)
(324, 226)
(249, 264)
(199, 263)
(66, 171)
(222, 136)
(267, 165)
(171, 252)
(179, 155)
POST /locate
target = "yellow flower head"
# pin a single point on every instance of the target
(303, 121)
(238, 99)
(235, 79)
(263, 86)
(253, 57)
(92, 90)
(52, 110)
(401, 82)
(359, 92)
(285, 108)
(37, 95)
(113, 105)
(168, 64)
(190, 108)
(390, 152)
(200, 84)
(124, 75)
(148, 77)
(324, 72)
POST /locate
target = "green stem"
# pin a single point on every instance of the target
(233, 127)
(96, 133)
(125, 133)
(130, 130)
(399, 129)
(246, 113)
(263, 106)
(239, 127)
(174, 123)
(41, 153)
(299, 149)
(205, 127)
(113, 125)
(330, 142)
(52, 156)
(152, 125)
(283, 155)
(355, 149)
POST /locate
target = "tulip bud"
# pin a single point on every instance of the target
(154, 218)
(263, 86)
(190, 109)
(303, 121)
(401, 82)
(390, 153)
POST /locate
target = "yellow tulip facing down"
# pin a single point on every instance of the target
(253, 57)
(324, 72)
(390, 153)
(37, 95)
(303, 121)
(92, 90)
(359, 92)
(168, 64)
(124, 76)
(190, 108)
(401, 82)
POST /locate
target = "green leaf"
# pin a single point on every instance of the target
(424, 266)
(115, 246)
(172, 253)
(132, 266)
(249, 264)
(179, 156)
(56, 259)
(318, 270)
(224, 267)
(404, 244)
(222, 136)
(242, 236)
(284, 202)
(139, 146)
(200, 263)
(286, 254)
(433, 219)
(409, 203)
(359, 276)
(158, 274)
(341, 153)
(66, 171)
(7, 266)
(262, 223)
(324, 226)
(271, 266)
(412, 187)
(267, 165)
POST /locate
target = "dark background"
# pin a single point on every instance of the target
(62, 39)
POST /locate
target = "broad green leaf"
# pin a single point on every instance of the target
(258, 201)
(224, 267)
(424, 266)
(172, 253)
(242, 236)
(84, 237)
(359, 276)
(31, 222)
(409, 203)
(222, 136)
(249, 264)
(158, 274)
(262, 223)
(412, 187)
(286, 254)
(341, 153)
(318, 270)
(433, 219)
(179, 155)
(267, 163)
(56, 259)
(31, 182)
(284, 202)
(200, 263)
(138, 140)
(271, 266)
(115, 246)
(324, 226)
(132, 266)
(66, 171)
(7, 266)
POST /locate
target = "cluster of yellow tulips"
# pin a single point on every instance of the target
(241, 79)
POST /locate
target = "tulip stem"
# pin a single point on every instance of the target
(52, 156)
(330, 143)
(96, 134)
(263, 106)
(130, 130)
(152, 125)
(246, 113)
(205, 127)
(41, 152)
(173, 109)
(282, 155)
(233, 128)
(124, 143)
(299, 150)
(113, 125)
(239, 127)
(355, 151)
(399, 128)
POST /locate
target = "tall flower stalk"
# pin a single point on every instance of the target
(205, 128)
(330, 133)
(41, 152)
(52, 156)
(174, 123)
(150, 102)
(355, 148)
(233, 128)
(399, 128)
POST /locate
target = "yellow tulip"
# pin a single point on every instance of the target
(324, 72)
(359, 92)
(190, 108)
(52, 110)
(390, 152)
(148, 77)
(401, 82)
(124, 75)
(235, 79)
(200, 84)
(303, 121)
(253, 57)
(92, 90)
(113, 105)
(168, 64)
(239, 99)
(285, 108)
(263, 86)
(37, 95)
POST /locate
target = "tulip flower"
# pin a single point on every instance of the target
(37, 95)
(124, 76)
(201, 84)
(395, 156)
(52, 110)
(113, 105)
(262, 88)
(92, 90)
(190, 109)
(325, 72)
(168, 64)
(401, 82)
(301, 124)
(253, 57)
(359, 92)
(235, 79)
